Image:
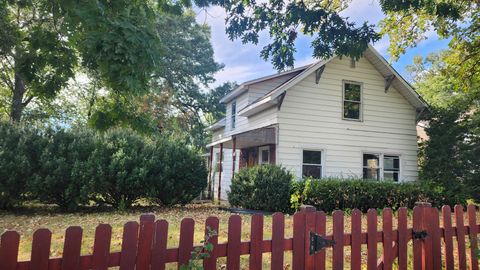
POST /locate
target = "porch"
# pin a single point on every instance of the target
(232, 153)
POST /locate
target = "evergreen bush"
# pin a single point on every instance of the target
(263, 187)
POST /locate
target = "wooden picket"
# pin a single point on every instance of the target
(436, 244)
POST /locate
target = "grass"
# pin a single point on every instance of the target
(28, 220)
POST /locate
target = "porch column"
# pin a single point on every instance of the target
(234, 155)
(210, 161)
(220, 173)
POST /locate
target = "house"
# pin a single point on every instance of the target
(338, 117)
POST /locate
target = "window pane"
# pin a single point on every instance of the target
(314, 171)
(352, 92)
(391, 162)
(371, 161)
(351, 110)
(234, 113)
(312, 157)
(392, 176)
(371, 173)
(264, 155)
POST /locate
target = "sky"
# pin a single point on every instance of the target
(243, 62)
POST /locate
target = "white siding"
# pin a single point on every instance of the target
(226, 174)
(311, 118)
(258, 90)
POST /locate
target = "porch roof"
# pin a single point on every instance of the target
(255, 137)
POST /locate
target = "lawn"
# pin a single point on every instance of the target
(28, 220)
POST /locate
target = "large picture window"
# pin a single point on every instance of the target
(312, 164)
(352, 101)
(381, 167)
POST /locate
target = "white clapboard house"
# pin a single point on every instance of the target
(334, 118)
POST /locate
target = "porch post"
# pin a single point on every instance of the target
(220, 173)
(234, 155)
(210, 161)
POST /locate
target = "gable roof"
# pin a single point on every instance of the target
(274, 97)
(244, 86)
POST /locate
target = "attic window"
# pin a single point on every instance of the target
(352, 100)
(234, 113)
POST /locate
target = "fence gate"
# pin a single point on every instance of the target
(401, 243)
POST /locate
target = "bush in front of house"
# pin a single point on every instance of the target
(19, 152)
(118, 168)
(177, 174)
(264, 187)
(329, 194)
(60, 176)
(72, 168)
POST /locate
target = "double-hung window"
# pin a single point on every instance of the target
(391, 167)
(234, 114)
(352, 100)
(381, 167)
(312, 164)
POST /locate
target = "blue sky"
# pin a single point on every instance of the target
(242, 61)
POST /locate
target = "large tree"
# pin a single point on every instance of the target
(43, 41)
(450, 156)
(405, 22)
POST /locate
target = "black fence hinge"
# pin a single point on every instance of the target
(419, 235)
(317, 243)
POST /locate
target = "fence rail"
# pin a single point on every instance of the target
(144, 244)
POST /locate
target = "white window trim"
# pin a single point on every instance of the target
(381, 164)
(322, 153)
(343, 100)
(260, 149)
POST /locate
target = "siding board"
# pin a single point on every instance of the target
(311, 118)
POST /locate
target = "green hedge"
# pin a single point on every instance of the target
(264, 187)
(79, 167)
(331, 194)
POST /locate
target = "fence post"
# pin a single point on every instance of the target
(309, 225)
(427, 244)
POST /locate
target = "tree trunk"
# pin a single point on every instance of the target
(16, 109)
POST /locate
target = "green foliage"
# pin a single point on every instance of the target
(117, 168)
(200, 253)
(264, 187)
(60, 177)
(20, 149)
(333, 34)
(73, 168)
(450, 156)
(331, 194)
(177, 174)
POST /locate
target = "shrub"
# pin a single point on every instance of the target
(264, 187)
(117, 167)
(331, 194)
(60, 177)
(177, 174)
(19, 153)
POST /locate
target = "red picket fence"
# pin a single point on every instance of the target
(144, 245)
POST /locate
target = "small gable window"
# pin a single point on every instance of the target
(352, 100)
(234, 114)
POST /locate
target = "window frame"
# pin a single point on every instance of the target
(381, 164)
(218, 163)
(260, 149)
(360, 119)
(322, 164)
(233, 114)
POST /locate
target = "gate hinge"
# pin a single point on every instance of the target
(317, 243)
(419, 235)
